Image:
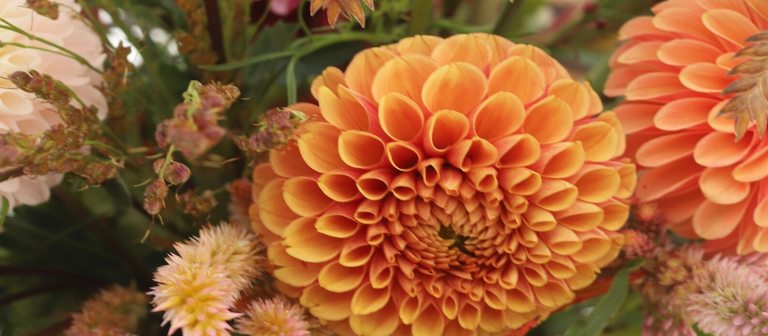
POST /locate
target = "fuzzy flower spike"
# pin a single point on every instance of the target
(444, 186)
(198, 287)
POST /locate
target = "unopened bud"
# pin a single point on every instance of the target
(177, 173)
(154, 197)
(47, 8)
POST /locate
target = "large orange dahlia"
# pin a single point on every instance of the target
(672, 70)
(455, 186)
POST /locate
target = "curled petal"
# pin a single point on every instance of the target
(361, 150)
(498, 116)
(403, 156)
(475, 152)
(444, 129)
(539, 123)
(518, 67)
(337, 278)
(342, 110)
(463, 48)
(405, 75)
(400, 117)
(325, 304)
(304, 197)
(561, 160)
(305, 243)
(455, 86)
(339, 186)
(719, 186)
(318, 146)
(364, 66)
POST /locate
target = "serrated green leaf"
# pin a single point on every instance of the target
(608, 305)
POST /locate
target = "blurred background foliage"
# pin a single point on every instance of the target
(54, 256)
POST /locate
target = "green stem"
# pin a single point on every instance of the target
(10, 26)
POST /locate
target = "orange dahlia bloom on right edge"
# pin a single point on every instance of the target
(457, 186)
(672, 70)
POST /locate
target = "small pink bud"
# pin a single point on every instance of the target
(177, 173)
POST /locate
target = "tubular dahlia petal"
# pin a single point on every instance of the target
(20, 111)
(444, 187)
(671, 70)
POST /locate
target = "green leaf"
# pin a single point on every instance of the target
(608, 306)
(4, 208)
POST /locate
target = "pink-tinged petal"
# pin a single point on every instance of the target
(719, 187)
(668, 148)
(639, 27)
(760, 215)
(682, 52)
(667, 179)
(713, 221)
(463, 48)
(685, 21)
(705, 78)
(754, 168)
(719, 149)
(684, 113)
(641, 52)
(518, 67)
(729, 25)
(455, 86)
(636, 116)
(654, 85)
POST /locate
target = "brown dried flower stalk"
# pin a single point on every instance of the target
(63, 148)
(751, 101)
(196, 42)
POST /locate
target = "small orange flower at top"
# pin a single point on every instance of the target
(350, 9)
(444, 187)
(672, 70)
